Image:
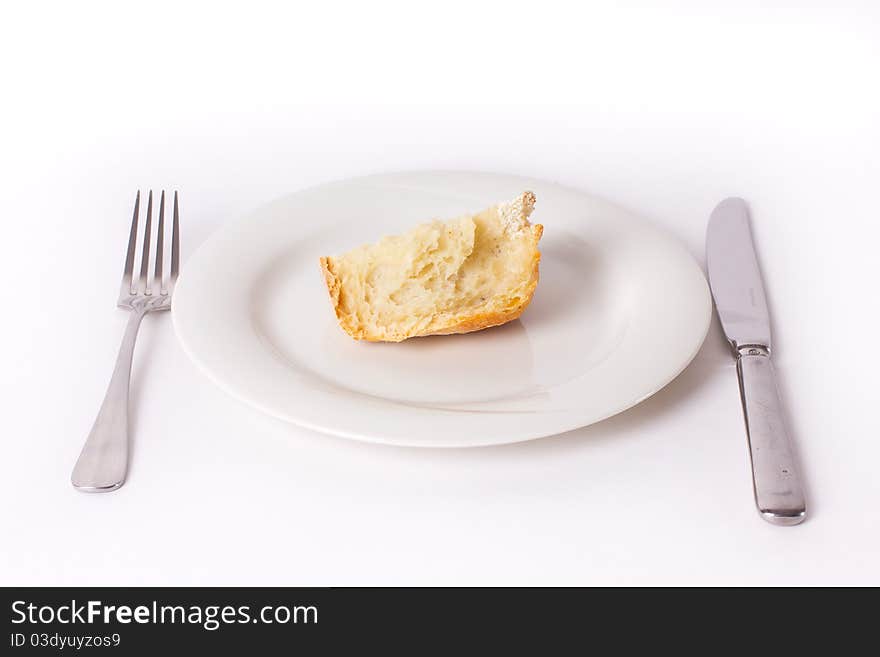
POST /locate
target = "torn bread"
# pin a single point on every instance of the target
(441, 277)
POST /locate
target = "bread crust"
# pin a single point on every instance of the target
(334, 288)
(464, 323)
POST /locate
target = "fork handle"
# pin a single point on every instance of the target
(103, 462)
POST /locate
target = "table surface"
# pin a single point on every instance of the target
(664, 112)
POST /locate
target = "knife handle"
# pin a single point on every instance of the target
(778, 491)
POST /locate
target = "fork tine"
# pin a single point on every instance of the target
(132, 244)
(145, 256)
(175, 242)
(159, 283)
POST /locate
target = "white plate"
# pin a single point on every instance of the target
(619, 311)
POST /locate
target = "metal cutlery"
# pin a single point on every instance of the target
(103, 462)
(739, 296)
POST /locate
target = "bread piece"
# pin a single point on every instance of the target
(441, 277)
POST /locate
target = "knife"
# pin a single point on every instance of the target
(738, 291)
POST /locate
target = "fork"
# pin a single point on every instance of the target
(103, 462)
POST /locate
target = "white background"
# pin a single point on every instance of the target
(662, 110)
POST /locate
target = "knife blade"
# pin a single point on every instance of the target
(738, 291)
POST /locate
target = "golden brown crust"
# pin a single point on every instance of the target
(334, 288)
(333, 283)
(461, 324)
